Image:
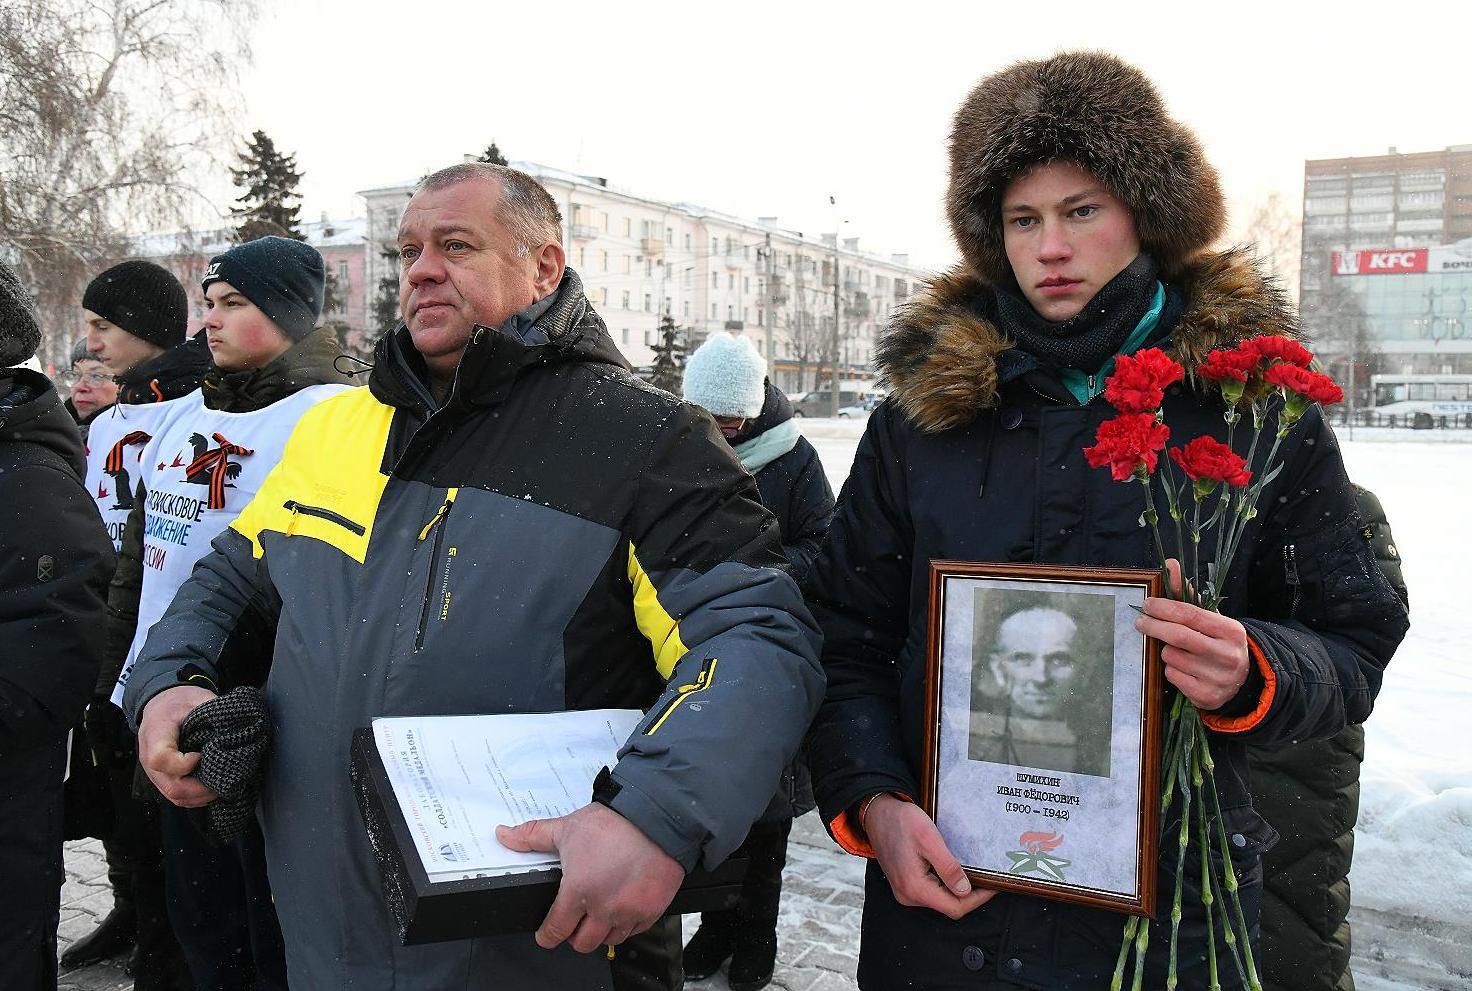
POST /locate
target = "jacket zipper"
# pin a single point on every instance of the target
(324, 514)
(702, 682)
(437, 527)
(1290, 575)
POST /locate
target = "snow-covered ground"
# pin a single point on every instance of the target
(1412, 877)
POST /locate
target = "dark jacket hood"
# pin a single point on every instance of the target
(939, 355)
(31, 412)
(310, 361)
(177, 372)
(565, 330)
(776, 410)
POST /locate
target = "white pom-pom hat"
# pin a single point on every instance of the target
(725, 376)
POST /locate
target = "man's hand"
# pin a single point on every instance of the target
(615, 880)
(922, 872)
(158, 746)
(1205, 653)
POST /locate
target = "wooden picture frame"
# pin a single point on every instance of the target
(1042, 762)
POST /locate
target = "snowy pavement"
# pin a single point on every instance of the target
(1413, 857)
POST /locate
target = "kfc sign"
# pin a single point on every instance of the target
(1397, 262)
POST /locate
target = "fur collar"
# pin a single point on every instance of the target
(938, 356)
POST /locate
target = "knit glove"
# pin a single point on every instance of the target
(232, 734)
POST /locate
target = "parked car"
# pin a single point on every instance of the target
(819, 402)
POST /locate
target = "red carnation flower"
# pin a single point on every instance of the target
(1236, 365)
(1139, 381)
(1280, 349)
(1312, 386)
(1127, 444)
(1208, 461)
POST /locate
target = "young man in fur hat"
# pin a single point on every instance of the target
(54, 564)
(204, 459)
(1083, 213)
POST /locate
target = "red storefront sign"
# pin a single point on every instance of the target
(1398, 261)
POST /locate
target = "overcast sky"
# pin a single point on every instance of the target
(762, 109)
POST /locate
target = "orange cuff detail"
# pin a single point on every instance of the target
(1241, 724)
(851, 837)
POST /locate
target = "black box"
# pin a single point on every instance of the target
(426, 912)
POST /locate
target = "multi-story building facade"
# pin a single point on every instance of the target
(642, 259)
(1387, 262)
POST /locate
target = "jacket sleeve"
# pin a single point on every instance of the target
(207, 611)
(55, 559)
(730, 633)
(1322, 620)
(810, 511)
(123, 595)
(859, 590)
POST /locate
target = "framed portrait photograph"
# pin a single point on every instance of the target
(1043, 728)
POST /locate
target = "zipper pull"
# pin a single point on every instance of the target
(439, 516)
(1290, 566)
(1091, 386)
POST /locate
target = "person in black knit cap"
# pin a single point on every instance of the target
(136, 314)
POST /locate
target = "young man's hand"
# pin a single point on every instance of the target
(922, 872)
(1205, 653)
(158, 746)
(615, 880)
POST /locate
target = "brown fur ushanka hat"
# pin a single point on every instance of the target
(1092, 109)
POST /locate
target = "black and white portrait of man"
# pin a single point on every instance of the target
(1042, 679)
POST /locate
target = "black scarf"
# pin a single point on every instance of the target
(1096, 333)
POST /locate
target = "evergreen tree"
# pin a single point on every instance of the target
(385, 316)
(493, 155)
(668, 371)
(268, 180)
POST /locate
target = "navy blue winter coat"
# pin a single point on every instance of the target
(978, 456)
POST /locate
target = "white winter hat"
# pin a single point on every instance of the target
(725, 376)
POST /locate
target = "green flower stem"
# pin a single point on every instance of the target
(1248, 504)
(1153, 518)
(1232, 417)
(1195, 552)
(1142, 943)
(1208, 897)
(1171, 496)
(1116, 983)
(1183, 838)
(1230, 878)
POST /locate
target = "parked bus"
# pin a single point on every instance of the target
(1437, 395)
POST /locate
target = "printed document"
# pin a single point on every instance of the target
(456, 778)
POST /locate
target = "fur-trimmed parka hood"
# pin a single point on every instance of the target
(1092, 109)
(939, 356)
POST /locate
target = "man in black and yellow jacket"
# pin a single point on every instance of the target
(504, 521)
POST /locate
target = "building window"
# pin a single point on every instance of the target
(687, 242)
(648, 303)
(603, 296)
(669, 236)
(649, 267)
(666, 305)
(580, 258)
(685, 308)
(605, 261)
(745, 284)
(715, 280)
(760, 317)
(715, 246)
(730, 312)
(728, 245)
(626, 299)
(628, 264)
(626, 335)
(712, 311)
(628, 227)
(731, 281)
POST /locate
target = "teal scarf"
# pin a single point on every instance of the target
(766, 447)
